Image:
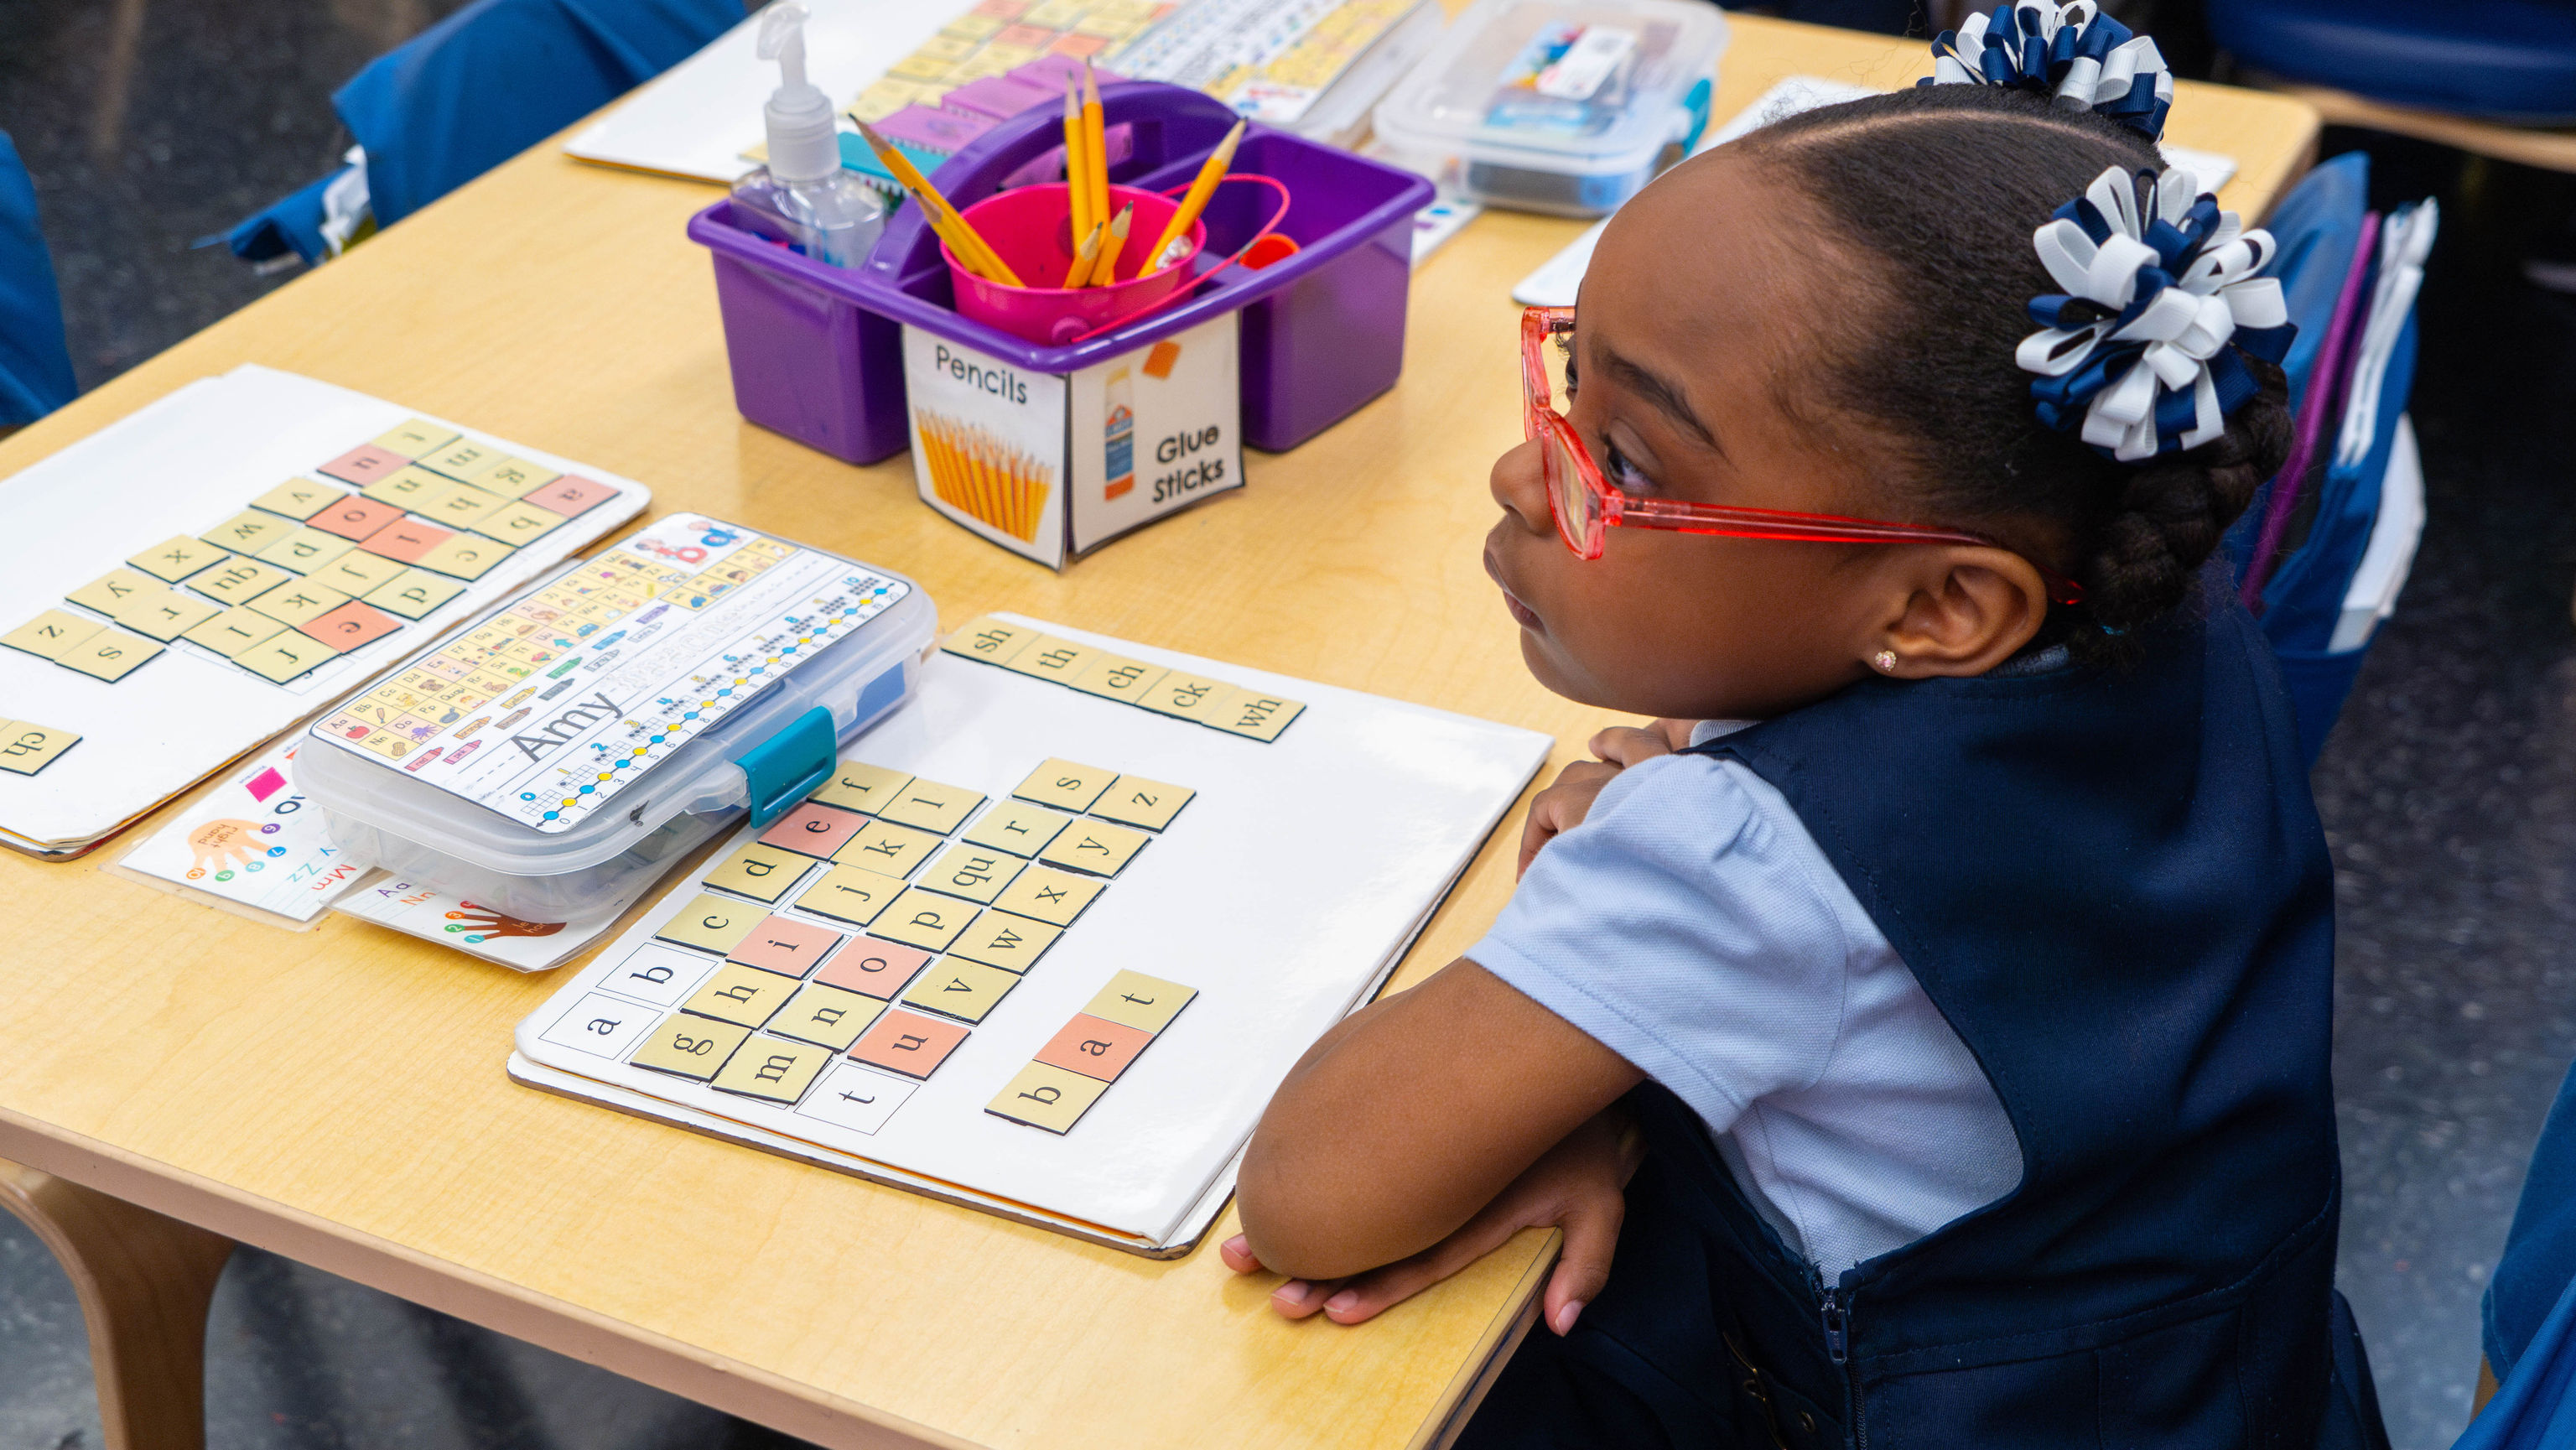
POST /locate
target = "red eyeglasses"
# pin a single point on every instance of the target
(1586, 505)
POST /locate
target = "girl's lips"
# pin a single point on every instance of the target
(1522, 614)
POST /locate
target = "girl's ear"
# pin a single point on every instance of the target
(1965, 610)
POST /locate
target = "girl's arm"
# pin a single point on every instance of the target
(1405, 1120)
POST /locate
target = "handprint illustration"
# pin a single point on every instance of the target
(481, 923)
(220, 845)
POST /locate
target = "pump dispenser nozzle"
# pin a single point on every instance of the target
(804, 142)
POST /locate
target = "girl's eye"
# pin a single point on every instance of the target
(1622, 474)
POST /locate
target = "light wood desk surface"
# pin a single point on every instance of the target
(338, 1095)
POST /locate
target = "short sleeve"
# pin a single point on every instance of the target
(1681, 929)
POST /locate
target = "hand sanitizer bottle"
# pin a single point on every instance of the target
(803, 197)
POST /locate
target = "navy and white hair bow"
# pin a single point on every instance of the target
(2073, 53)
(2163, 290)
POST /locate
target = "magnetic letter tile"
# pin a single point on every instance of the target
(235, 630)
(238, 581)
(517, 524)
(464, 556)
(408, 488)
(1188, 696)
(305, 549)
(908, 1043)
(690, 1047)
(853, 894)
(1095, 1047)
(462, 506)
(284, 655)
(462, 458)
(711, 923)
(660, 975)
(1260, 717)
(872, 968)
(167, 614)
(405, 539)
(110, 654)
(112, 591)
(772, 1068)
(826, 1015)
(1145, 1003)
(1017, 827)
(52, 634)
(922, 919)
(930, 806)
(416, 438)
(1047, 1097)
(1141, 802)
(512, 477)
(999, 939)
(1094, 846)
(856, 1098)
(990, 640)
(860, 787)
(571, 495)
(601, 1025)
(414, 593)
(1065, 785)
(349, 627)
(960, 989)
(1050, 658)
(364, 464)
(354, 518)
(785, 945)
(762, 873)
(740, 994)
(354, 571)
(893, 850)
(247, 532)
(812, 829)
(26, 748)
(295, 601)
(298, 498)
(974, 872)
(176, 559)
(1053, 897)
(1116, 677)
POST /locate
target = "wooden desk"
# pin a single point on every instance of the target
(337, 1096)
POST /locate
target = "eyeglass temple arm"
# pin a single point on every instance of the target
(1749, 523)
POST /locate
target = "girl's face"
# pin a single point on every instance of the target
(1699, 319)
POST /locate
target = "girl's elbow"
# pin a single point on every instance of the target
(1296, 1227)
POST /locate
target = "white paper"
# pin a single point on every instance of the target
(477, 931)
(254, 841)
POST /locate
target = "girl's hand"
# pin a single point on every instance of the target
(1578, 1186)
(1562, 806)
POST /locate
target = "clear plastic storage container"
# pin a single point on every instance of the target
(551, 758)
(1560, 106)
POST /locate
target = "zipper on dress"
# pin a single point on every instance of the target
(1837, 1340)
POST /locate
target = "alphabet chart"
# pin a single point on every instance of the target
(1042, 945)
(183, 585)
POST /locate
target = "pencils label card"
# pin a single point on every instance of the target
(988, 444)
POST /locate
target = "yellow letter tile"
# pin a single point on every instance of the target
(513, 477)
(466, 556)
(414, 592)
(1141, 802)
(110, 654)
(1017, 827)
(175, 559)
(990, 640)
(858, 787)
(772, 1068)
(1065, 785)
(977, 873)
(999, 939)
(238, 581)
(407, 487)
(167, 614)
(690, 1047)
(846, 893)
(826, 1015)
(1053, 897)
(920, 918)
(463, 459)
(234, 630)
(740, 994)
(1145, 1003)
(1261, 717)
(760, 872)
(299, 498)
(112, 592)
(52, 634)
(1094, 846)
(930, 806)
(1116, 677)
(1050, 658)
(959, 989)
(894, 850)
(247, 532)
(296, 601)
(1191, 697)
(416, 437)
(462, 506)
(1047, 1097)
(518, 523)
(711, 923)
(305, 550)
(285, 655)
(27, 748)
(356, 572)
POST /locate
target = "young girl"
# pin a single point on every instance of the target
(1940, 989)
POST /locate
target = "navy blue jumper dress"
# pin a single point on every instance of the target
(2113, 885)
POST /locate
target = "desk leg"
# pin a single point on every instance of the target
(144, 1282)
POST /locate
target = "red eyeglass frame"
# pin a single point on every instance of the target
(1605, 506)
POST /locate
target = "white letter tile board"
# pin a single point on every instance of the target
(1046, 943)
(192, 580)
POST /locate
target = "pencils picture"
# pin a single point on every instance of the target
(1196, 199)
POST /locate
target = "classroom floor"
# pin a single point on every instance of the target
(2449, 790)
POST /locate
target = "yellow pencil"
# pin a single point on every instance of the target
(952, 228)
(1077, 174)
(1195, 201)
(1112, 245)
(1095, 143)
(1085, 259)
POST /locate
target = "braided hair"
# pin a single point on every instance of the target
(1936, 192)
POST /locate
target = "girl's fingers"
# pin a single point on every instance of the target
(1676, 733)
(1591, 1223)
(1623, 746)
(1379, 1290)
(1237, 1253)
(1303, 1298)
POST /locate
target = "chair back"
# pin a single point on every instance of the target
(2530, 1309)
(35, 365)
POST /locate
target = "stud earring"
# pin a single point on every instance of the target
(1885, 660)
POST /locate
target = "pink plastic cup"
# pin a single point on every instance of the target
(1031, 228)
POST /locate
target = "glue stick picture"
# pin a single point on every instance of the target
(1121, 442)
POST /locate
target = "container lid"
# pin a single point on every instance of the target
(1572, 86)
(611, 696)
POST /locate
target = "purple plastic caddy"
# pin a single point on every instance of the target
(817, 350)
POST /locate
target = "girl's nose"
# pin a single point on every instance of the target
(1519, 484)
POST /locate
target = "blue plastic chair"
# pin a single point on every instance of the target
(2530, 1309)
(2512, 61)
(478, 88)
(35, 364)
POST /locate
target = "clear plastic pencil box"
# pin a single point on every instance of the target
(1562, 106)
(553, 757)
